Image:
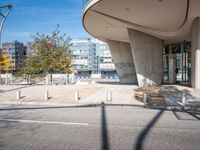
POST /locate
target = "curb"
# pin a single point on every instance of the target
(78, 104)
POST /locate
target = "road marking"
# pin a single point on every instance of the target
(45, 122)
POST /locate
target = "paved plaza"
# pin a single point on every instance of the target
(90, 94)
(65, 94)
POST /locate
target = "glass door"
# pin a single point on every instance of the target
(177, 63)
(186, 64)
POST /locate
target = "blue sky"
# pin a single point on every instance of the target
(41, 16)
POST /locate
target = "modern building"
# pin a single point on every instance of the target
(92, 59)
(16, 51)
(151, 41)
(29, 47)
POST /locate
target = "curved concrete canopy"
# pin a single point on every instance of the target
(168, 20)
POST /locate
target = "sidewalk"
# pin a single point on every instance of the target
(63, 95)
(121, 94)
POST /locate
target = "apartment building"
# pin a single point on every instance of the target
(92, 59)
(16, 51)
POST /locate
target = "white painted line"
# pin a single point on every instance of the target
(45, 122)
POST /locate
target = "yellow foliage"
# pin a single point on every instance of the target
(6, 63)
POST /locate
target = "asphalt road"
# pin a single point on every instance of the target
(97, 128)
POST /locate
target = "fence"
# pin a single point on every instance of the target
(57, 79)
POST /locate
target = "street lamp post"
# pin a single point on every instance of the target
(3, 17)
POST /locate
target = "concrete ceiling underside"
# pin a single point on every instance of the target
(169, 20)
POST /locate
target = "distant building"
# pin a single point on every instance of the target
(16, 51)
(29, 46)
(92, 59)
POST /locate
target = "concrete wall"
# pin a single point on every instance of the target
(196, 54)
(122, 57)
(147, 56)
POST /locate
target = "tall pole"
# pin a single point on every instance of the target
(3, 16)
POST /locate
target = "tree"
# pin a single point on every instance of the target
(51, 55)
(31, 68)
(6, 65)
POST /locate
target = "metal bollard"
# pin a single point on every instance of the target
(18, 94)
(183, 98)
(145, 98)
(46, 95)
(76, 96)
(109, 95)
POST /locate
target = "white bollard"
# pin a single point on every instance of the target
(46, 95)
(18, 94)
(109, 95)
(76, 96)
(183, 98)
(145, 98)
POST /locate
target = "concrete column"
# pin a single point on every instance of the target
(195, 77)
(147, 56)
(122, 57)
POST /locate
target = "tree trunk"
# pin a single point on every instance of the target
(11, 79)
(51, 79)
(47, 79)
(67, 78)
(6, 81)
(28, 79)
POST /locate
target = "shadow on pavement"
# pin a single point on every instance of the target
(104, 131)
(105, 141)
(181, 117)
(27, 107)
(175, 93)
(3, 91)
(141, 138)
(114, 83)
(24, 107)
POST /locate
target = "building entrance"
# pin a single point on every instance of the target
(177, 63)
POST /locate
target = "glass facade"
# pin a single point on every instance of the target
(92, 59)
(177, 63)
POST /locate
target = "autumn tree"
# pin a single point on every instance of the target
(51, 54)
(6, 65)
